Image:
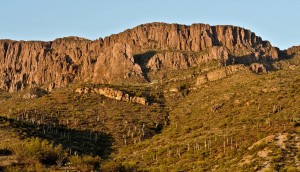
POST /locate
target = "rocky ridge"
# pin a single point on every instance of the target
(127, 56)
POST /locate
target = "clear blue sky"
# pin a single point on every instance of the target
(273, 20)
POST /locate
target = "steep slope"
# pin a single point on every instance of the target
(128, 56)
(243, 122)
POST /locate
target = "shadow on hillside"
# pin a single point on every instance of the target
(142, 59)
(76, 141)
(247, 60)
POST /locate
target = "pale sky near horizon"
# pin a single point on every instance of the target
(274, 20)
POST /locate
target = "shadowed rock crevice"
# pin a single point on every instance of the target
(5, 47)
(142, 60)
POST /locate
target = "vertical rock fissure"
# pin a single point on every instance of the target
(5, 46)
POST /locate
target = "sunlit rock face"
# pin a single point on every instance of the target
(125, 57)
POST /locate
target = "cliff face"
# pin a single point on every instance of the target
(188, 38)
(127, 56)
(54, 63)
(116, 64)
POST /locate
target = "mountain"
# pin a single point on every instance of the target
(157, 97)
(128, 56)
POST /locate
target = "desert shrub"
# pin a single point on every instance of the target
(290, 169)
(139, 93)
(112, 166)
(35, 150)
(85, 162)
(30, 167)
(130, 166)
(35, 167)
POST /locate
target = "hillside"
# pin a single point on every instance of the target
(158, 97)
(244, 122)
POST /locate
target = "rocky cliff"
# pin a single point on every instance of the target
(127, 56)
(295, 50)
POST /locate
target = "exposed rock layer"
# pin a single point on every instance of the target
(125, 57)
(219, 74)
(114, 94)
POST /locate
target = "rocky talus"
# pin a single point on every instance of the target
(127, 56)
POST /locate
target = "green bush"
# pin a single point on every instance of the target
(290, 169)
(85, 162)
(111, 166)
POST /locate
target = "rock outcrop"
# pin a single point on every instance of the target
(201, 80)
(34, 93)
(293, 50)
(114, 94)
(258, 68)
(127, 56)
(218, 74)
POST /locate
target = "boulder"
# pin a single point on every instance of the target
(79, 90)
(175, 90)
(30, 96)
(139, 100)
(201, 80)
(258, 68)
